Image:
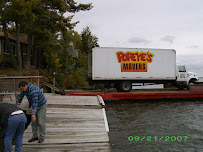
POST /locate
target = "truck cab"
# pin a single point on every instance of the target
(184, 78)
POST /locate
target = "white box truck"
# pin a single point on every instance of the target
(124, 66)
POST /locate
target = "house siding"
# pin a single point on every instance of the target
(6, 56)
(1, 47)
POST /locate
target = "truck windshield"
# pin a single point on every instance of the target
(181, 69)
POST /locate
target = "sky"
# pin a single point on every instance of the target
(165, 24)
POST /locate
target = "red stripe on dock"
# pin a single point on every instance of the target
(126, 96)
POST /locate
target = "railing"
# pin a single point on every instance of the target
(9, 84)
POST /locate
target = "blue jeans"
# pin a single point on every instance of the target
(16, 124)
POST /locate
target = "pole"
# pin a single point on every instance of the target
(54, 83)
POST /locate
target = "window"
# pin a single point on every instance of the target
(31, 51)
(5, 49)
(181, 69)
(24, 50)
(13, 48)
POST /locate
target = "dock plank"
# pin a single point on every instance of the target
(82, 147)
(73, 100)
(71, 126)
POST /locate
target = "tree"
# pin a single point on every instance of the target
(40, 19)
(4, 24)
(20, 13)
(50, 21)
(9, 47)
(84, 43)
(67, 52)
(89, 41)
(1, 58)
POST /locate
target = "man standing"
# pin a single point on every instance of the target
(12, 122)
(38, 102)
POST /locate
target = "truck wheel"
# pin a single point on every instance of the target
(193, 81)
(125, 86)
(190, 82)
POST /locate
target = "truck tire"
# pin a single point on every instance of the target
(194, 81)
(125, 86)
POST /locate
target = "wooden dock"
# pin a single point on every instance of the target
(74, 123)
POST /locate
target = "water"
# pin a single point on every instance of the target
(200, 79)
(156, 120)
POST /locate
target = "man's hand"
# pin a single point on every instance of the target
(33, 118)
(18, 105)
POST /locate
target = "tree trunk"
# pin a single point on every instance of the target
(35, 53)
(8, 43)
(18, 47)
(38, 58)
(29, 39)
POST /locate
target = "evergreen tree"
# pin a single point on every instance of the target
(89, 41)
(50, 22)
(41, 20)
(19, 13)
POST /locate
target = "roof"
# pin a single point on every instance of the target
(12, 36)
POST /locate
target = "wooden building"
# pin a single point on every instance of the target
(24, 49)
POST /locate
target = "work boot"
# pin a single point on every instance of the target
(40, 140)
(33, 139)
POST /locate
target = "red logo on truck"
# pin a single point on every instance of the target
(134, 61)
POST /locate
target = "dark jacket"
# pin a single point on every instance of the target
(5, 111)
